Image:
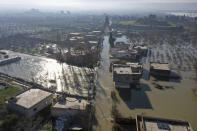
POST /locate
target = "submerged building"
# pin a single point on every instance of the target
(160, 70)
(29, 102)
(125, 75)
(145, 123)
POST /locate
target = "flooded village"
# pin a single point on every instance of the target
(98, 72)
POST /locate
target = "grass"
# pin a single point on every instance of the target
(5, 118)
(47, 127)
(132, 22)
(6, 93)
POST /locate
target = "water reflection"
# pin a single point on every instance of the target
(49, 73)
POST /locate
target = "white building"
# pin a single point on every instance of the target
(29, 102)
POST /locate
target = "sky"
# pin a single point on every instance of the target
(98, 4)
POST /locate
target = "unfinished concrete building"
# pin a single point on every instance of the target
(145, 123)
(69, 106)
(29, 102)
(126, 75)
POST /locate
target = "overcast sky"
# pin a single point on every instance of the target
(94, 4)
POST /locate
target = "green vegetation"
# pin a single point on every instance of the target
(6, 93)
(123, 61)
(132, 23)
(113, 96)
(47, 127)
(7, 120)
(116, 127)
(138, 24)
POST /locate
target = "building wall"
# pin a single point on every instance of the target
(129, 78)
(38, 107)
(56, 112)
(160, 73)
(16, 108)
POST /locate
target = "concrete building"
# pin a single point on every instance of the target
(160, 70)
(125, 75)
(122, 45)
(143, 50)
(29, 102)
(132, 56)
(69, 107)
(145, 123)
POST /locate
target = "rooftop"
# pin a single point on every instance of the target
(31, 97)
(129, 68)
(160, 124)
(75, 33)
(140, 47)
(93, 42)
(71, 103)
(160, 66)
(123, 70)
(96, 31)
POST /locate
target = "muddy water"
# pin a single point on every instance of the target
(42, 70)
(177, 102)
(104, 84)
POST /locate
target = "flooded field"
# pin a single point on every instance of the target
(176, 102)
(49, 73)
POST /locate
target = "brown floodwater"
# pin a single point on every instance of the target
(176, 102)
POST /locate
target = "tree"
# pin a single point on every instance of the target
(111, 40)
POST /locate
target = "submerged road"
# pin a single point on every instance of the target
(104, 85)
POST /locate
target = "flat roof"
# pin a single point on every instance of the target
(141, 47)
(96, 31)
(161, 124)
(130, 68)
(71, 103)
(31, 97)
(75, 33)
(123, 70)
(93, 42)
(160, 66)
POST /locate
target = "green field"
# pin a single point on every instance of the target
(132, 23)
(5, 94)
